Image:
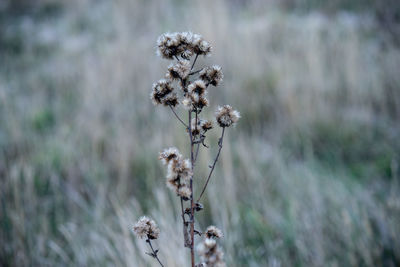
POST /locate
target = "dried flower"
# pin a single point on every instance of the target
(187, 102)
(213, 231)
(146, 227)
(161, 92)
(168, 154)
(170, 100)
(184, 192)
(210, 254)
(202, 126)
(202, 102)
(168, 45)
(200, 46)
(226, 116)
(180, 70)
(197, 87)
(179, 171)
(212, 75)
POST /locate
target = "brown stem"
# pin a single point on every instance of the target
(154, 253)
(221, 139)
(191, 194)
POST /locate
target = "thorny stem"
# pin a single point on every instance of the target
(221, 139)
(154, 252)
(176, 115)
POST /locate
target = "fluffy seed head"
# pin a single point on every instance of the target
(168, 45)
(161, 90)
(202, 126)
(213, 231)
(184, 192)
(169, 154)
(146, 227)
(180, 70)
(170, 100)
(200, 46)
(202, 102)
(210, 253)
(187, 102)
(226, 116)
(179, 171)
(197, 87)
(212, 75)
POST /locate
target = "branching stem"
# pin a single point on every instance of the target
(154, 253)
(220, 141)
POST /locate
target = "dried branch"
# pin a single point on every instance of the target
(154, 253)
(220, 141)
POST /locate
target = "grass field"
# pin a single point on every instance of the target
(309, 177)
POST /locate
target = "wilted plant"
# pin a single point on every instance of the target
(182, 85)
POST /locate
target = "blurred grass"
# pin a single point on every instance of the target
(309, 177)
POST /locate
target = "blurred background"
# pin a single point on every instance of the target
(309, 177)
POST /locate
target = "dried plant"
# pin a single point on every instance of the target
(184, 86)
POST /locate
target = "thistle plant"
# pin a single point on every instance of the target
(186, 87)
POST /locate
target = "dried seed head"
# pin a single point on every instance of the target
(146, 227)
(200, 46)
(169, 154)
(202, 102)
(168, 45)
(179, 170)
(198, 206)
(213, 231)
(212, 75)
(171, 100)
(226, 116)
(196, 96)
(161, 90)
(197, 87)
(205, 125)
(210, 253)
(187, 102)
(178, 71)
(202, 126)
(184, 192)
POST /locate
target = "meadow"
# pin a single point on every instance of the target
(310, 175)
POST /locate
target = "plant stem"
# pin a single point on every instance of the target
(154, 253)
(194, 72)
(191, 194)
(194, 61)
(176, 115)
(221, 139)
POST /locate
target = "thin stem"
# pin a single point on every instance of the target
(197, 152)
(183, 212)
(194, 72)
(177, 58)
(176, 115)
(191, 194)
(220, 141)
(194, 61)
(154, 252)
